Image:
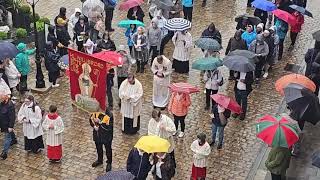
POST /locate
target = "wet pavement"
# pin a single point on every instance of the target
(240, 149)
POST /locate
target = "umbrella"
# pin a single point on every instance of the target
(209, 63)
(90, 6)
(277, 131)
(152, 144)
(246, 53)
(238, 63)
(125, 6)
(65, 59)
(316, 35)
(109, 56)
(264, 5)
(301, 10)
(227, 102)
(8, 50)
(303, 103)
(183, 88)
(253, 20)
(117, 175)
(285, 16)
(164, 4)
(208, 43)
(177, 24)
(127, 23)
(284, 81)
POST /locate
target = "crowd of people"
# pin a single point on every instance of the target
(146, 45)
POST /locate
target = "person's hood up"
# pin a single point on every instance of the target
(77, 10)
(155, 21)
(274, 29)
(259, 38)
(63, 11)
(49, 46)
(21, 47)
(237, 34)
(51, 29)
(260, 26)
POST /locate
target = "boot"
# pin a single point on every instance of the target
(108, 168)
(97, 163)
(138, 67)
(242, 116)
(4, 156)
(219, 146)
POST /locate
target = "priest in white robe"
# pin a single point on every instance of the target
(162, 126)
(161, 68)
(30, 115)
(130, 94)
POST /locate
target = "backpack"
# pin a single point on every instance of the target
(111, 2)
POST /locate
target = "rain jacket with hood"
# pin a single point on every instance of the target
(51, 58)
(73, 18)
(154, 35)
(212, 32)
(52, 37)
(249, 37)
(22, 59)
(236, 43)
(282, 28)
(62, 14)
(259, 46)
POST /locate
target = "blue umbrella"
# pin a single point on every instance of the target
(208, 43)
(127, 23)
(8, 50)
(264, 5)
(117, 175)
(209, 63)
(65, 59)
(301, 10)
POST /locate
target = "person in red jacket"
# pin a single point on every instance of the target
(296, 28)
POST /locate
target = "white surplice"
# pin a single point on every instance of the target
(167, 133)
(161, 93)
(182, 46)
(131, 107)
(54, 136)
(200, 153)
(32, 124)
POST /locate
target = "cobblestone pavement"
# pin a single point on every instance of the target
(233, 162)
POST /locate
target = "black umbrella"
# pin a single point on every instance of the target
(8, 50)
(246, 53)
(303, 103)
(316, 35)
(117, 175)
(238, 63)
(164, 4)
(253, 20)
(301, 10)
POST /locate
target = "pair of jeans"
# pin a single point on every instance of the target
(155, 53)
(187, 12)
(293, 37)
(210, 92)
(99, 147)
(217, 129)
(280, 48)
(7, 142)
(180, 119)
(108, 19)
(242, 99)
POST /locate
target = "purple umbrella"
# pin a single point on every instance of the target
(264, 5)
(117, 175)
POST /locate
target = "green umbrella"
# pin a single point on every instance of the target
(127, 23)
(209, 63)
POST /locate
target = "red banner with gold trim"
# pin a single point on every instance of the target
(88, 80)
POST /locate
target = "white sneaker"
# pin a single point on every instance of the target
(174, 134)
(265, 75)
(181, 134)
(56, 85)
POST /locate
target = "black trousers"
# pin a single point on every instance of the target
(280, 49)
(110, 98)
(173, 158)
(140, 66)
(293, 37)
(80, 45)
(108, 19)
(154, 51)
(107, 146)
(23, 85)
(249, 3)
(187, 12)
(180, 119)
(53, 76)
(130, 49)
(208, 98)
(165, 41)
(259, 67)
(277, 177)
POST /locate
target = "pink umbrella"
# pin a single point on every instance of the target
(285, 16)
(183, 88)
(125, 6)
(227, 102)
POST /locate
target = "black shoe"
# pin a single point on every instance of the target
(212, 143)
(242, 116)
(108, 168)
(96, 164)
(219, 146)
(4, 155)
(206, 108)
(235, 115)
(111, 30)
(204, 3)
(13, 142)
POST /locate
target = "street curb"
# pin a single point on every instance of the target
(263, 149)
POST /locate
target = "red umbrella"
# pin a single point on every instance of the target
(285, 16)
(125, 6)
(227, 102)
(109, 56)
(183, 88)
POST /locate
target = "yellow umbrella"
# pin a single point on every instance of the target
(152, 144)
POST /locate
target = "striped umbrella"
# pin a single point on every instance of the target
(277, 131)
(177, 24)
